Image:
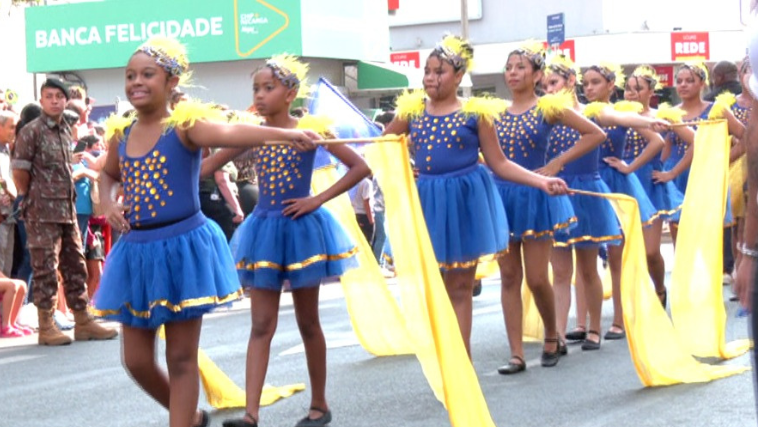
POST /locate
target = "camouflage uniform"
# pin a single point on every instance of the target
(43, 148)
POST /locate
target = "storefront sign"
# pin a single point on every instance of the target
(556, 33)
(104, 34)
(406, 59)
(690, 47)
(567, 49)
(665, 75)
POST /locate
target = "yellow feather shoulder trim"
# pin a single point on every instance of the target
(594, 109)
(552, 105)
(116, 124)
(669, 113)
(723, 102)
(487, 108)
(188, 112)
(410, 104)
(628, 107)
(319, 123)
(245, 117)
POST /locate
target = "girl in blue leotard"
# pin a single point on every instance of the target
(533, 217)
(600, 81)
(596, 221)
(462, 209)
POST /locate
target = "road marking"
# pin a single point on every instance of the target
(14, 359)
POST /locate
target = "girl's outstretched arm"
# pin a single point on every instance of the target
(358, 169)
(238, 135)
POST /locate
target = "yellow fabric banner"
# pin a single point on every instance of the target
(222, 393)
(696, 291)
(658, 354)
(426, 306)
(374, 313)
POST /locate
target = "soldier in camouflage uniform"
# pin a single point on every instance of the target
(42, 173)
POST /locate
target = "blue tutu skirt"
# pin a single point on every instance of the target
(681, 185)
(269, 248)
(532, 214)
(464, 216)
(631, 186)
(665, 197)
(167, 274)
(596, 220)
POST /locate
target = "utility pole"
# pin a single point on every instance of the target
(464, 34)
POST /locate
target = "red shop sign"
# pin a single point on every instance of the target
(690, 47)
(665, 74)
(567, 48)
(406, 59)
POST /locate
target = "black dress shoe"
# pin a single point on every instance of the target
(591, 345)
(513, 368)
(578, 334)
(477, 288)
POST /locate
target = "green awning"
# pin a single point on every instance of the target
(378, 76)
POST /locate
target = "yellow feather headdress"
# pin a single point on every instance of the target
(564, 67)
(534, 51)
(169, 54)
(611, 72)
(457, 51)
(291, 72)
(648, 74)
(699, 68)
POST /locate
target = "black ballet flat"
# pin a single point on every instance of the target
(610, 335)
(550, 359)
(578, 334)
(323, 420)
(663, 296)
(513, 368)
(241, 422)
(589, 345)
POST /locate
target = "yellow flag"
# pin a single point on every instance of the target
(374, 313)
(222, 393)
(439, 345)
(659, 356)
(696, 292)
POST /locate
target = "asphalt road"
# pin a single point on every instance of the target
(85, 385)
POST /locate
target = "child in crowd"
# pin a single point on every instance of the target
(171, 265)
(290, 238)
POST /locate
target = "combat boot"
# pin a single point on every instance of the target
(87, 329)
(49, 334)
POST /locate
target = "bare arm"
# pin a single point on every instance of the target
(396, 127)
(591, 137)
(654, 145)
(21, 178)
(358, 169)
(510, 171)
(736, 128)
(744, 283)
(224, 186)
(611, 117)
(239, 135)
(218, 159)
(110, 177)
